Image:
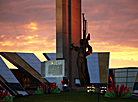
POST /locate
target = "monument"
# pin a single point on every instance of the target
(68, 31)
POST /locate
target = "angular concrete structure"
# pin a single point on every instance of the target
(9, 81)
(31, 60)
(68, 31)
(28, 63)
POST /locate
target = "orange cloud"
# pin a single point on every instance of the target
(32, 26)
(6, 43)
(29, 44)
(26, 37)
(2, 36)
(19, 37)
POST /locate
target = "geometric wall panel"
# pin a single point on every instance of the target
(98, 67)
(27, 63)
(9, 80)
(6, 73)
(93, 68)
(32, 60)
(103, 66)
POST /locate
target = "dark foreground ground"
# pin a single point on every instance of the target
(72, 96)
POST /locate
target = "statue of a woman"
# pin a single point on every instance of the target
(82, 61)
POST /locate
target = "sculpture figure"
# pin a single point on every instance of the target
(82, 61)
(82, 53)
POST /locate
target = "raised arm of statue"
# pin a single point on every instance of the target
(73, 47)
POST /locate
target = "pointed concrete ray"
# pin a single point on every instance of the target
(9, 81)
(103, 58)
(98, 67)
(93, 67)
(21, 64)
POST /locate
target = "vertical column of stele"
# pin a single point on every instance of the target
(68, 30)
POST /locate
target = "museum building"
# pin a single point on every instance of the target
(27, 77)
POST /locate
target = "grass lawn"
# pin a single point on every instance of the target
(73, 96)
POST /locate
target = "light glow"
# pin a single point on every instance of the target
(33, 26)
(111, 79)
(9, 65)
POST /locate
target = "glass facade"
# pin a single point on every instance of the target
(124, 76)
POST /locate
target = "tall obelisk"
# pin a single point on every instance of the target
(68, 30)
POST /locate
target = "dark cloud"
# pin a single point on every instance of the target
(113, 21)
(110, 9)
(25, 10)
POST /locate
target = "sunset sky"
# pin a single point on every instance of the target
(30, 26)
